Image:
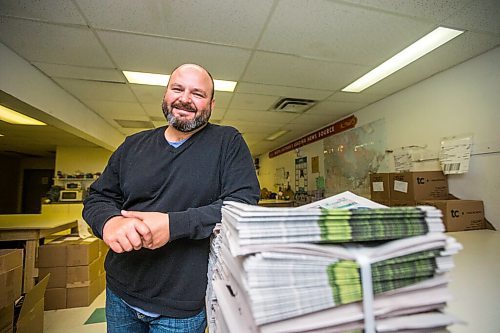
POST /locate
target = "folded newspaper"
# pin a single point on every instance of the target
(298, 269)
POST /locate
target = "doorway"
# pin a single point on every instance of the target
(36, 184)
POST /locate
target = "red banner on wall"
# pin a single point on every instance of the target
(332, 129)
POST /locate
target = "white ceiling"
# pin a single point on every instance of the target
(274, 49)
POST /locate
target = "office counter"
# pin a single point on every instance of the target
(476, 282)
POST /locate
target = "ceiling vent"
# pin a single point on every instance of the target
(294, 105)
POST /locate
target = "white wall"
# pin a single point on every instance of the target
(462, 100)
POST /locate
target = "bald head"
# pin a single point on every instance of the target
(194, 68)
(189, 98)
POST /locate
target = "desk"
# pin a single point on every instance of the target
(276, 203)
(475, 284)
(31, 228)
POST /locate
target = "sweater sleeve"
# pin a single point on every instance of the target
(105, 198)
(238, 183)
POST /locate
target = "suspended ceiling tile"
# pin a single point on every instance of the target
(115, 110)
(92, 90)
(292, 92)
(217, 114)
(59, 11)
(478, 16)
(253, 101)
(240, 24)
(51, 43)
(362, 97)
(131, 131)
(162, 55)
(326, 27)
(79, 72)
(317, 121)
(335, 109)
(222, 99)
(430, 10)
(253, 116)
(266, 128)
(286, 70)
(153, 110)
(148, 94)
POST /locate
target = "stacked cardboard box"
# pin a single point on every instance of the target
(406, 188)
(75, 266)
(459, 215)
(409, 187)
(11, 278)
(427, 188)
(380, 188)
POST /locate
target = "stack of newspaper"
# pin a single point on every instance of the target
(339, 265)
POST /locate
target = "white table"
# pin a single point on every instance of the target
(476, 282)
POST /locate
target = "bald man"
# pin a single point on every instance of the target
(156, 204)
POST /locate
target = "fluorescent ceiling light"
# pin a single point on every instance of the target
(1, 134)
(146, 78)
(416, 50)
(17, 118)
(222, 85)
(162, 80)
(276, 135)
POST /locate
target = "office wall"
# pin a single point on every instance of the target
(461, 100)
(70, 160)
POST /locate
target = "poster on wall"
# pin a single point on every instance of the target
(301, 175)
(352, 155)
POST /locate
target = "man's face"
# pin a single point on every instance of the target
(188, 102)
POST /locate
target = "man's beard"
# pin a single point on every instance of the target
(201, 118)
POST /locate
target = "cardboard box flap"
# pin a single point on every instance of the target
(33, 296)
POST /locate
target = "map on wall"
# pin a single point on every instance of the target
(350, 157)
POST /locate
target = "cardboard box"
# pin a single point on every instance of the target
(82, 276)
(55, 298)
(82, 252)
(11, 275)
(402, 203)
(30, 312)
(11, 283)
(58, 276)
(52, 254)
(379, 186)
(66, 251)
(7, 318)
(421, 185)
(82, 296)
(459, 215)
(10, 258)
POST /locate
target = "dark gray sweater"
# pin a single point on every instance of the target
(189, 183)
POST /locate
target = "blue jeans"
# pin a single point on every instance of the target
(121, 318)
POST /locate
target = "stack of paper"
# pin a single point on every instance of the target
(267, 276)
(254, 225)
